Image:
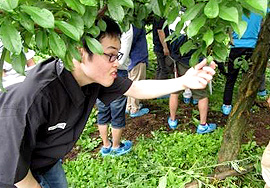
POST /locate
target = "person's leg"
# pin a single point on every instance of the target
(203, 110)
(118, 124)
(202, 97)
(103, 118)
(118, 119)
(173, 105)
(162, 69)
(54, 178)
(136, 74)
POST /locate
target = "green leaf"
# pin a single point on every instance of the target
(8, 5)
(220, 51)
(229, 14)
(42, 17)
(208, 37)
(195, 26)
(18, 63)
(220, 37)
(27, 23)
(42, 40)
(194, 58)
(68, 30)
(91, 3)
(188, 3)
(90, 16)
(162, 182)
(116, 10)
(76, 5)
(94, 45)
(11, 38)
(186, 47)
(68, 61)
(155, 7)
(127, 3)
(260, 5)
(57, 45)
(94, 31)
(77, 21)
(240, 28)
(174, 13)
(192, 12)
(72, 48)
(211, 9)
(102, 25)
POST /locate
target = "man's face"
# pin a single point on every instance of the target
(100, 68)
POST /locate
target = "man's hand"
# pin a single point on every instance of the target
(200, 75)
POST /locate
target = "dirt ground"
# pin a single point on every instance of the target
(258, 127)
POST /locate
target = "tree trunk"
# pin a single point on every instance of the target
(248, 88)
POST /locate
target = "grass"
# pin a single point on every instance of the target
(165, 160)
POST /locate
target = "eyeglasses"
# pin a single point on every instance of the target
(112, 58)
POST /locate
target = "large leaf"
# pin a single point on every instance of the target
(127, 3)
(89, 2)
(68, 30)
(11, 38)
(240, 28)
(208, 37)
(192, 12)
(18, 63)
(89, 16)
(73, 50)
(220, 52)
(195, 58)
(76, 5)
(174, 13)
(155, 7)
(94, 45)
(211, 9)
(8, 5)
(77, 21)
(229, 14)
(42, 40)
(42, 17)
(186, 47)
(220, 37)
(57, 45)
(116, 10)
(260, 5)
(27, 22)
(195, 26)
(102, 25)
(94, 31)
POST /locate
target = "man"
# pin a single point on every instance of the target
(198, 95)
(161, 49)
(242, 47)
(42, 117)
(114, 113)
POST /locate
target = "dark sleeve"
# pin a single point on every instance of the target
(117, 89)
(12, 126)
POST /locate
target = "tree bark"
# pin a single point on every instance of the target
(248, 88)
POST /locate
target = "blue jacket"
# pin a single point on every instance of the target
(250, 37)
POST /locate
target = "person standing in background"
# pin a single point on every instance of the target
(137, 69)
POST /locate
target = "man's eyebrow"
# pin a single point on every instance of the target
(112, 47)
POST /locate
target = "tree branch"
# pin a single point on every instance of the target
(102, 11)
(221, 176)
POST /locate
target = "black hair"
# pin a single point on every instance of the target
(112, 30)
